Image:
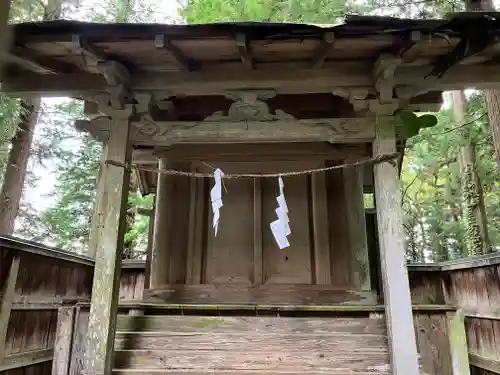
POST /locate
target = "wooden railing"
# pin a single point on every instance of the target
(51, 282)
(36, 283)
(473, 285)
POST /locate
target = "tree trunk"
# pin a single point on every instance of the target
(492, 96)
(476, 233)
(15, 173)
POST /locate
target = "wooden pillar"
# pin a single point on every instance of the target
(64, 340)
(398, 309)
(160, 265)
(355, 211)
(99, 341)
(149, 250)
(96, 223)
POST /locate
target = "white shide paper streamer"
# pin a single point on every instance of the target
(281, 227)
(216, 198)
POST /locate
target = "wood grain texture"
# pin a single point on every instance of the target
(294, 294)
(203, 344)
(105, 291)
(397, 298)
(63, 341)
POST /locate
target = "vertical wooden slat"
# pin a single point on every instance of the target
(399, 317)
(458, 343)
(99, 341)
(192, 229)
(257, 231)
(8, 292)
(356, 223)
(199, 231)
(64, 340)
(320, 228)
(160, 267)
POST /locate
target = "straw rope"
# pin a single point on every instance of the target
(384, 158)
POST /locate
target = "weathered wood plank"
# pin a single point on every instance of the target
(274, 325)
(404, 358)
(25, 359)
(293, 294)
(320, 228)
(355, 210)
(340, 343)
(484, 363)
(242, 372)
(7, 298)
(283, 77)
(458, 343)
(63, 341)
(105, 291)
(271, 361)
(257, 232)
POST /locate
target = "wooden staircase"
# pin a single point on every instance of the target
(251, 345)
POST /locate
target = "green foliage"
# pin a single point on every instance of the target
(436, 223)
(312, 11)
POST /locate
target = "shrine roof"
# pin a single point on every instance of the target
(61, 48)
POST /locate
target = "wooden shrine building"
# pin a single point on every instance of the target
(255, 98)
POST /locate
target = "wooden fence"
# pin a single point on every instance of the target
(49, 279)
(473, 285)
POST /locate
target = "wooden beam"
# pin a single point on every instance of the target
(160, 265)
(488, 364)
(35, 62)
(86, 49)
(63, 340)
(324, 49)
(25, 359)
(397, 300)
(8, 289)
(244, 50)
(458, 343)
(281, 151)
(173, 52)
(99, 342)
(166, 133)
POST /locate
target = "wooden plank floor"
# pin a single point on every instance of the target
(251, 345)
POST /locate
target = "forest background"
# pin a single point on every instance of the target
(450, 177)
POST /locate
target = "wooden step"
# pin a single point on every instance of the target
(251, 345)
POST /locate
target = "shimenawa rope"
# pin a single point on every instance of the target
(384, 158)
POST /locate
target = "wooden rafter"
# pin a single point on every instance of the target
(244, 50)
(89, 51)
(327, 44)
(33, 61)
(178, 57)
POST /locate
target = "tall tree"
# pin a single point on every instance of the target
(15, 173)
(492, 97)
(477, 241)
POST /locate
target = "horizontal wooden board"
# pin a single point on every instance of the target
(243, 372)
(340, 343)
(277, 359)
(258, 294)
(225, 324)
